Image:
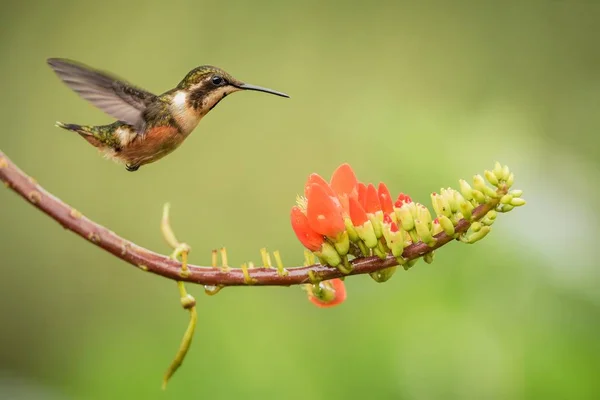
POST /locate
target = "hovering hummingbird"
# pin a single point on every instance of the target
(149, 126)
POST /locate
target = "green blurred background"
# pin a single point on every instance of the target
(416, 94)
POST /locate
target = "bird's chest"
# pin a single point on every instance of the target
(156, 143)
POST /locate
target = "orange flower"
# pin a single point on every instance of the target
(327, 293)
(307, 236)
(385, 199)
(323, 212)
(343, 182)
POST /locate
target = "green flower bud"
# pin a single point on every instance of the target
(466, 209)
(498, 170)
(448, 195)
(510, 180)
(423, 214)
(477, 236)
(479, 197)
(376, 225)
(424, 233)
(404, 217)
(516, 193)
(492, 214)
(505, 208)
(342, 243)
(428, 258)
(506, 199)
(466, 190)
(383, 275)
(352, 234)
(491, 177)
(329, 255)
(446, 225)
(505, 173)
(476, 226)
(440, 205)
(367, 234)
(517, 202)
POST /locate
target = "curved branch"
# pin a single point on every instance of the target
(158, 264)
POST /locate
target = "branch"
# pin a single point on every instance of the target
(158, 264)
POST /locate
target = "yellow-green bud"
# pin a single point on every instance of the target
(428, 258)
(329, 255)
(510, 180)
(424, 233)
(517, 202)
(480, 185)
(405, 217)
(376, 224)
(466, 209)
(342, 243)
(367, 234)
(492, 214)
(446, 225)
(516, 193)
(498, 170)
(479, 197)
(352, 234)
(448, 195)
(440, 205)
(505, 173)
(466, 190)
(423, 214)
(506, 199)
(477, 236)
(505, 207)
(476, 226)
(383, 275)
(491, 178)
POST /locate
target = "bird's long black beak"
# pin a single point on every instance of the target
(246, 86)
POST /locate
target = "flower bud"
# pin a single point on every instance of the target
(466, 209)
(476, 226)
(424, 233)
(510, 180)
(480, 234)
(517, 202)
(383, 275)
(516, 193)
(491, 178)
(466, 190)
(479, 197)
(405, 217)
(506, 199)
(329, 255)
(446, 225)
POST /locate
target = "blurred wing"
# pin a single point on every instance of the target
(115, 97)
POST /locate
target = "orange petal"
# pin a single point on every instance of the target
(385, 199)
(343, 181)
(362, 194)
(323, 212)
(372, 204)
(316, 179)
(357, 213)
(309, 238)
(340, 295)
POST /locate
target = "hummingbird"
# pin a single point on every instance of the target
(148, 126)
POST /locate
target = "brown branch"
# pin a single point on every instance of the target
(158, 264)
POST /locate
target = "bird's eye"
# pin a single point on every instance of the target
(217, 80)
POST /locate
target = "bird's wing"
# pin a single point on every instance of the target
(112, 95)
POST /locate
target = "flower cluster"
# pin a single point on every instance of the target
(345, 217)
